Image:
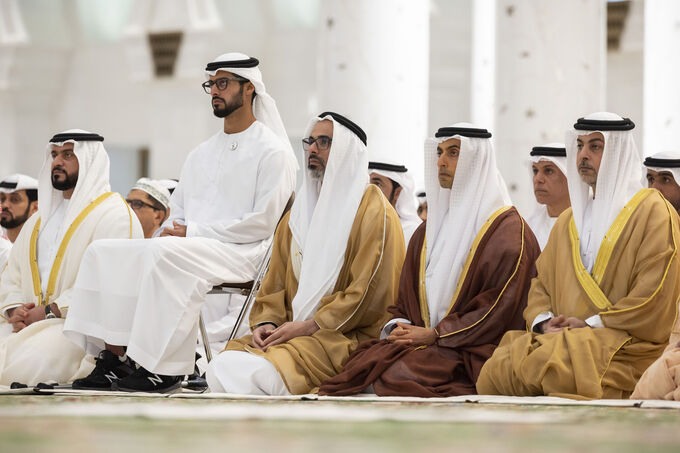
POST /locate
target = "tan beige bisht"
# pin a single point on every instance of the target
(662, 378)
(40, 352)
(624, 282)
(635, 295)
(348, 283)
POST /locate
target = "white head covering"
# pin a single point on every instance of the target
(17, 181)
(406, 207)
(155, 189)
(455, 216)
(93, 175)
(421, 196)
(323, 213)
(540, 221)
(169, 184)
(663, 161)
(264, 106)
(618, 179)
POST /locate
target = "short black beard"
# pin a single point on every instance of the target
(229, 108)
(68, 184)
(16, 221)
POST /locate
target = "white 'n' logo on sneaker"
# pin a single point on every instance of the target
(111, 377)
(155, 380)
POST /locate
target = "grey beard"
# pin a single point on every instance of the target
(316, 173)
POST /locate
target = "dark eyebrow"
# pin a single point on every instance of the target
(595, 139)
(452, 146)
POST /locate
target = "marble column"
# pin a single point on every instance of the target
(373, 67)
(550, 69)
(661, 101)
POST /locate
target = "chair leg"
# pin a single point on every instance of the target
(204, 337)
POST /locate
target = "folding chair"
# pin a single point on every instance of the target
(248, 289)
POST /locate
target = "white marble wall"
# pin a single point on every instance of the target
(550, 70)
(373, 67)
(662, 76)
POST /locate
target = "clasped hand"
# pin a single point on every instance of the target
(268, 335)
(558, 323)
(177, 230)
(25, 315)
(412, 335)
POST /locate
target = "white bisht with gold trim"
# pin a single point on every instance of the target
(45, 259)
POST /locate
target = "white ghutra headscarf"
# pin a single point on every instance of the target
(618, 179)
(664, 161)
(93, 175)
(323, 213)
(406, 203)
(455, 216)
(264, 106)
(539, 221)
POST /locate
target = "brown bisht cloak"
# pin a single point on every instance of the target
(491, 295)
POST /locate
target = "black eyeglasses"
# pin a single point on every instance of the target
(139, 204)
(323, 142)
(222, 83)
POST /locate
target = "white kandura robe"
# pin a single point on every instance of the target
(147, 294)
(541, 224)
(5, 249)
(40, 352)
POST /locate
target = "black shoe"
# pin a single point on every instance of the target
(145, 381)
(108, 369)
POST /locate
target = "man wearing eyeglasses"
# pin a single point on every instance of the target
(334, 270)
(141, 300)
(150, 200)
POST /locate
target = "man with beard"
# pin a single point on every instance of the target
(334, 269)
(141, 300)
(18, 201)
(76, 208)
(605, 299)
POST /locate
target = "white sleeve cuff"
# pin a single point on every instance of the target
(540, 318)
(595, 321)
(192, 229)
(9, 307)
(391, 324)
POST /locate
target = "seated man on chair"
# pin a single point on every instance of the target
(141, 300)
(334, 270)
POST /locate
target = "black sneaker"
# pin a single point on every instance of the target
(108, 369)
(146, 381)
